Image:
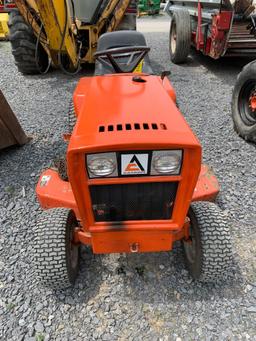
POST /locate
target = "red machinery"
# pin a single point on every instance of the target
(6, 5)
(215, 27)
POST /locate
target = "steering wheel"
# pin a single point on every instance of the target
(109, 58)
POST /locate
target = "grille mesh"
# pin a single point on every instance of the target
(135, 126)
(144, 201)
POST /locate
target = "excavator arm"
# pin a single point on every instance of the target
(51, 22)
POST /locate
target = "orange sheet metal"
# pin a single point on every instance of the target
(136, 241)
(207, 187)
(53, 192)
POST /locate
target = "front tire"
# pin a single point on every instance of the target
(244, 103)
(180, 36)
(208, 253)
(56, 257)
(23, 43)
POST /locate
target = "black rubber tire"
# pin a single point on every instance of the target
(71, 117)
(210, 235)
(23, 43)
(243, 127)
(52, 249)
(61, 165)
(181, 29)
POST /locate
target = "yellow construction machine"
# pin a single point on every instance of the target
(64, 33)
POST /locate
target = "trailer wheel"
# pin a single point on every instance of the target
(23, 43)
(208, 253)
(244, 103)
(180, 36)
(56, 258)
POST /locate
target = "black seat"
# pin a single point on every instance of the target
(121, 39)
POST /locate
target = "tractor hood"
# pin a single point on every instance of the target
(121, 112)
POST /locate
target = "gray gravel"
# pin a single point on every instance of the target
(126, 297)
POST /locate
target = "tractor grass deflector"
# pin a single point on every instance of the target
(214, 27)
(135, 179)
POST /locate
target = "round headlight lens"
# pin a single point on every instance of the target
(167, 164)
(101, 166)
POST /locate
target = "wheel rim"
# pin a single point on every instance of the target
(190, 246)
(247, 102)
(173, 37)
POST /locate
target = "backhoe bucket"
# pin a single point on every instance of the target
(11, 132)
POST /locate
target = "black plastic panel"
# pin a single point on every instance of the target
(143, 201)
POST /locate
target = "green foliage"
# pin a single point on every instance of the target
(150, 6)
(39, 337)
(10, 306)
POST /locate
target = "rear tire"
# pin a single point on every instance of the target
(243, 116)
(180, 36)
(56, 258)
(23, 43)
(209, 251)
(61, 165)
(72, 118)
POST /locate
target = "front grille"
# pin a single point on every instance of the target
(144, 201)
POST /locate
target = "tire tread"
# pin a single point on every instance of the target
(23, 43)
(216, 243)
(50, 257)
(183, 31)
(247, 132)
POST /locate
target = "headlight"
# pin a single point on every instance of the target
(166, 162)
(102, 164)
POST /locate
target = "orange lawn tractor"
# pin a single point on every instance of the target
(134, 182)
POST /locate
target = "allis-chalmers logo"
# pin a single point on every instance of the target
(134, 164)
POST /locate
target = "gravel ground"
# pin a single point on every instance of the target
(127, 297)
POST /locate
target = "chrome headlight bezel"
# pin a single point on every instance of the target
(155, 157)
(175, 162)
(102, 157)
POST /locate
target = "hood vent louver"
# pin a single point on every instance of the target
(130, 126)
